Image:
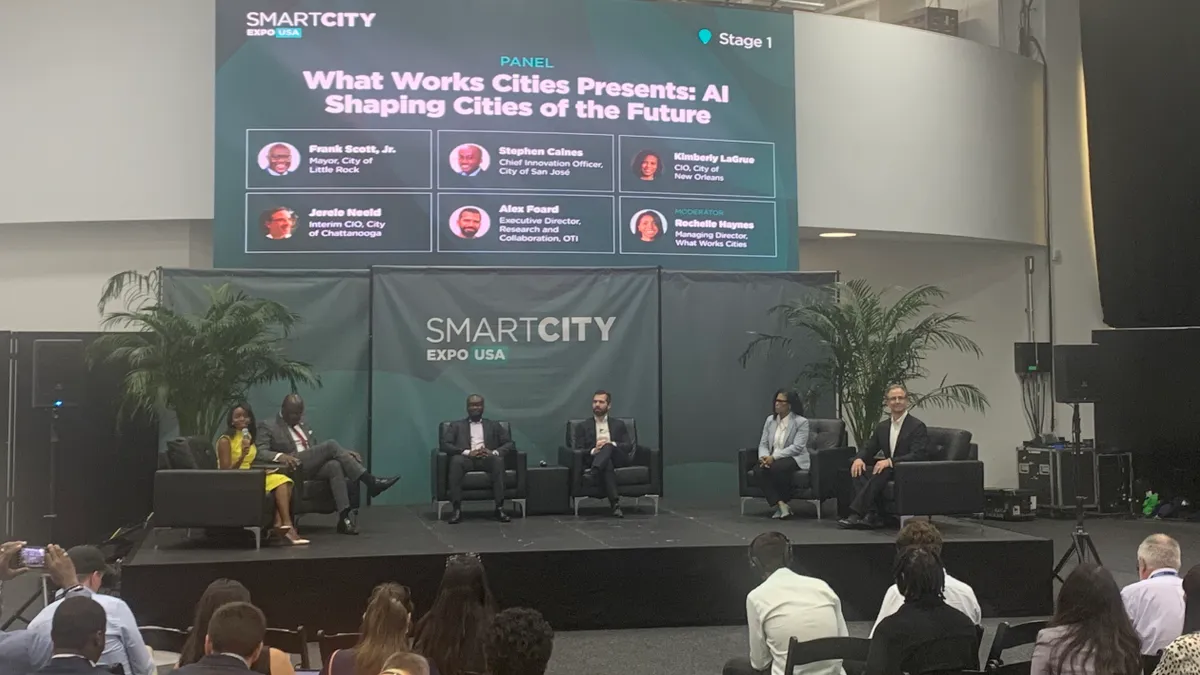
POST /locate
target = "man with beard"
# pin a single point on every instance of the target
(279, 159)
(609, 447)
(476, 444)
(469, 222)
(469, 159)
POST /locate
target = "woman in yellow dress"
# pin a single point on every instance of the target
(236, 450)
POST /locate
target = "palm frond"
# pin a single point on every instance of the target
(132, 289)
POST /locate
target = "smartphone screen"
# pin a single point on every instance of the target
(33, 556)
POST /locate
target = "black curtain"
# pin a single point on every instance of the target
(1141, 63)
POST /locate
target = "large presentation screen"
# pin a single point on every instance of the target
(597, 133)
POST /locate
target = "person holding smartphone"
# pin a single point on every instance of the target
(25, 651)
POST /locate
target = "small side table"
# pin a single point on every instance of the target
(548, 490)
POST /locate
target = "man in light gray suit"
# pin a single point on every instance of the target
(289, 441)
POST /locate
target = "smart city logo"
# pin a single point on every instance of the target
(484, 339)
(292, 24)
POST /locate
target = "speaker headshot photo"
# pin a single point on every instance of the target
(470, 159)
(648, 225)
(278, 222)
(646, 165)
(470, 222)
(279, 159)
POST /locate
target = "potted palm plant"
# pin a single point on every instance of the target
(194, 365)
(873, 342)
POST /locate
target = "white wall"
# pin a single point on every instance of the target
(987, 283)
(107, 110)
(51, 273)
(904, 130)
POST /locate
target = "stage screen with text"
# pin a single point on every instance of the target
(599, 133)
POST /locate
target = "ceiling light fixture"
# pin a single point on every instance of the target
(837, 235)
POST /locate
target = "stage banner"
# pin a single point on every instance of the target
(711, 404)
(333, 335)
(604, 133)
(535, 343)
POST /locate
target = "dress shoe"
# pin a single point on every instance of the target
(456, 517)
(502, 516)
(872, 522)
(589, 474)
(378, 485)
(346, 525)
(851, 522)
(617, 512)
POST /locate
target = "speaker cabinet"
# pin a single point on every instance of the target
(1077, 373)
(58, 373)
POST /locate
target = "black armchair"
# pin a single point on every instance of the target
(642, 477)
(828, 476)
(192, 493)
(949, 484)
(315, 496)
(477, 485)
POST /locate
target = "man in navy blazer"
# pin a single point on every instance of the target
(476, 444)
(900, 438)
(234, 641)
(608, 446)
(78, 636)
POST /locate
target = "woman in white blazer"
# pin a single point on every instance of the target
(782, 450)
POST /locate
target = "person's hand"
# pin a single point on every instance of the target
(357, 457)
(8, 555)
(479, 452)
(290, 461)
(857, 468)
(59, 567)
(768, 460)
(881, 465)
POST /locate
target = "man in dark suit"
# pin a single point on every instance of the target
(289, 441)
(609, 447)
(900, 438)
(234, 641)
(476, 444)
(78, 636)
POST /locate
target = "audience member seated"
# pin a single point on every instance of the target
(236, 450)
(1089, 633)
(289, 440)
(609, 447)
(519, 643)
(783, 606)
(24, 651)
(233, 642)
(386, 629)
(900, 438)
(476, 444)
(452, 633)
(782, 451)
(406, 663)
(925, 635)
(218, 594)
(1182, 656)
(1156, 604)
(78, 634)
(925, 535)
(123, 642)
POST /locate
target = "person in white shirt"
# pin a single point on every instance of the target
(782, 451)
(123, 643)
(608, 445)
(476, 444)
(1156, 604)
(925, 535)
(783, 606)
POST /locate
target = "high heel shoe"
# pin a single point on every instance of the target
(294, 539)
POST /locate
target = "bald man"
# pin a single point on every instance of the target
(279, 160)
(289, 441)
(470, 157)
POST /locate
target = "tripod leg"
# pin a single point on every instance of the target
(1092, 547)
(1062, 562)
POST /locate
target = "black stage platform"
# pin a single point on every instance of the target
(683, 567)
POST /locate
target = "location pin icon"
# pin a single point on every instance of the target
(705, 35)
